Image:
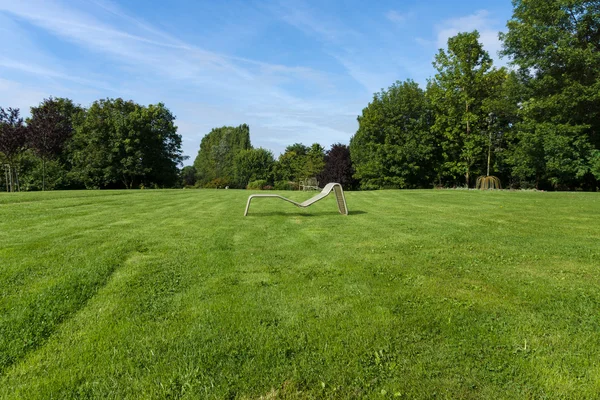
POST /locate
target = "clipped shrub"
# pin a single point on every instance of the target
(257, 185)
(488, 182)
(217, 183)
(286, 185)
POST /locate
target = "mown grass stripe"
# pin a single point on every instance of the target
(420, 294)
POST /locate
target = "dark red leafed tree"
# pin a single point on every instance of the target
(50, 127)
(338, 167)
(13, 139)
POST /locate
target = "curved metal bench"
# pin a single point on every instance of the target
(330, 187)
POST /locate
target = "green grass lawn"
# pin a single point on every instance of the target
(415, 294)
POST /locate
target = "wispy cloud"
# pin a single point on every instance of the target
(157, 52)
(17, 95)
(50, 73)
(481, 21)
(396, 17)
(345, 45)
(141, 50)
(300, 15)
(307, 85)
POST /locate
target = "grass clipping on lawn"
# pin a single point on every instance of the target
(416, 294)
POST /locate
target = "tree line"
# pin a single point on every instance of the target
(226, 158)
(535, 125)
(111, 144)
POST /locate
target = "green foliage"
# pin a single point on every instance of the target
(394, 146)
(188, 175)
(285, 185)
(36, 176)
(465, 82)
(172, 293)
(257, 184)
(253, 164)
(555, 46)
(536, 126)
(314, 162)
(217, 183)
(50, 128)
(123, 143)
(299, 162)
(218, 149)
(595, 164)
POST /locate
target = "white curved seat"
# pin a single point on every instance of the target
(330, 187)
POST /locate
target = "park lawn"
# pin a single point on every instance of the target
(415, 294)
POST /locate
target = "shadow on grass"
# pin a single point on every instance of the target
(301, 214)
(356, 212)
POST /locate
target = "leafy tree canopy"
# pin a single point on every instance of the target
(300, 162)
(252, 165)
(464, 83)
(50, 127)
(394, 146)
(13, 134)
(338, 167)
(555, 44)
(218, 149)
(123, 143)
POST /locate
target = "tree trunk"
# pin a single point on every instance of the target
(43, 174)
(10, 178)
(6, 177)
(468, 134)
(489, 154)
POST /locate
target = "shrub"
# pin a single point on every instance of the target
(286, 185)
(257, 185)
(267, 187)
(217, 183)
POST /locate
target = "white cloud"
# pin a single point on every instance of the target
(16, 95)
(481, 21)
(396, 17)
(151, 65)
(304, 18)
(373, 81)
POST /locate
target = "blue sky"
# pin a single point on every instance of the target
(295, 71)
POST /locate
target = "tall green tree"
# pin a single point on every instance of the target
(218, 149)
(253, 164)
(290, 163)
(160, 144)
(300, 162)
(503, 110)
(188, 175)
(394, 146)
(464, 81)
(123, 144)
(555, 44)
(314, 162)
(595, 163)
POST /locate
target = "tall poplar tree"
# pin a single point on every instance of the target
(464, 82)
(218, 149)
